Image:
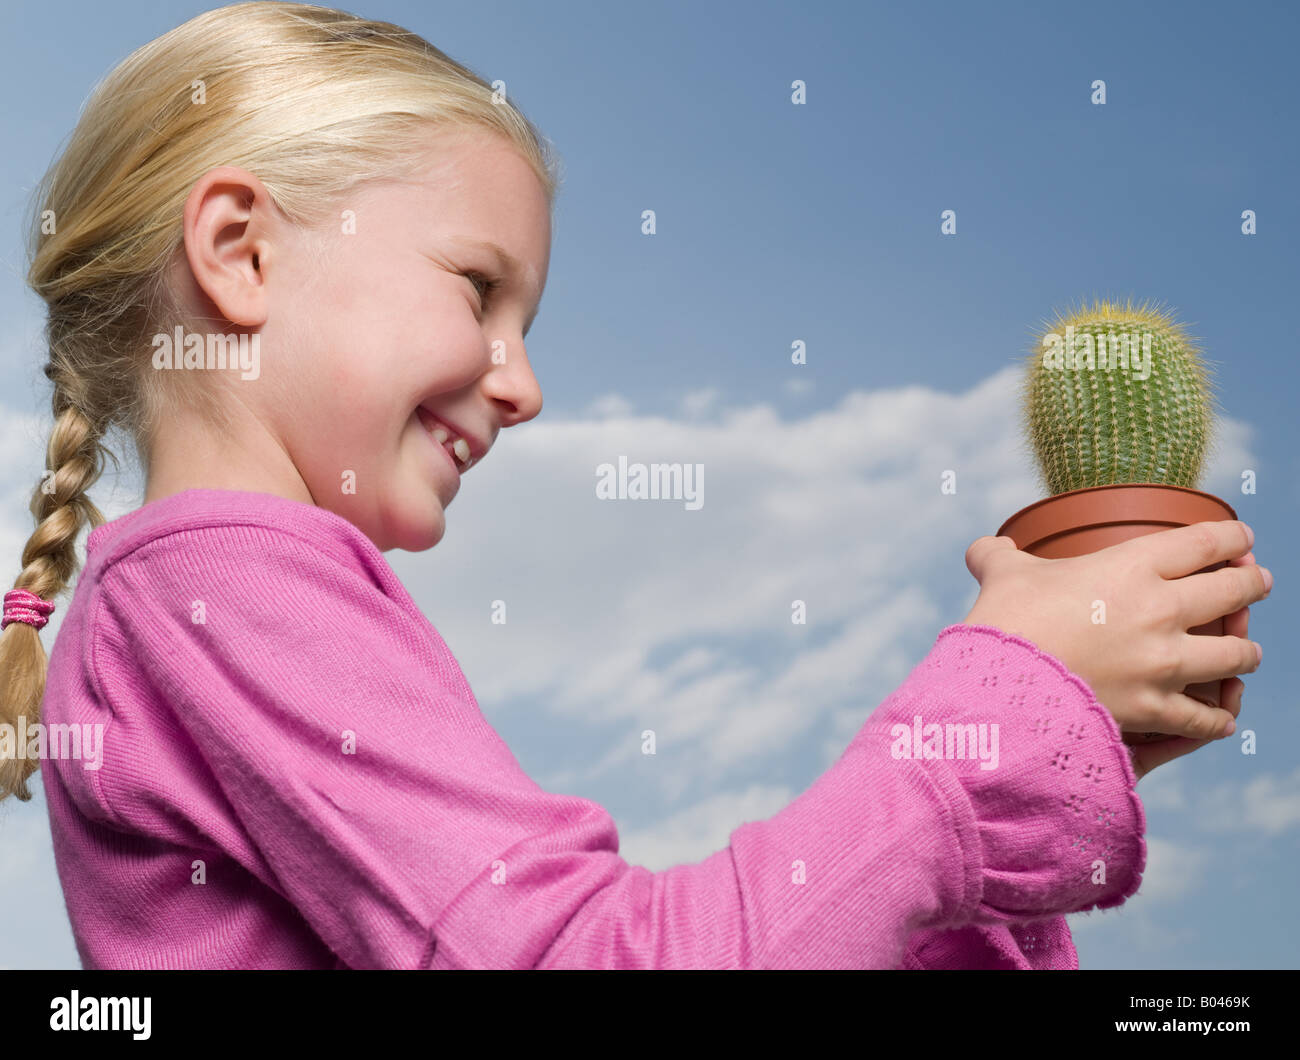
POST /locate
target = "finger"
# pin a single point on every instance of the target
(1147, 757)
(1208, 658)
(1230, 694)
(1204, 597)
(1187, 549)
(981, 552)
(1181, 715)
(1237, 624)
(1241, 561)
(1229, 697)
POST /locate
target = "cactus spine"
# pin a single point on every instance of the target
(1117, 394)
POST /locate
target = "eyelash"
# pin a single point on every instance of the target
(488, 284)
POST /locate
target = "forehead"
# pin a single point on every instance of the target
(473, 188)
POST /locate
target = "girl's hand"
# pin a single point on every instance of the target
(1147, 756)
(1141, 657)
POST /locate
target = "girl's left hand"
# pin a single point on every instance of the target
(1147, 756)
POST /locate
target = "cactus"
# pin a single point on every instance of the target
(1107, 410)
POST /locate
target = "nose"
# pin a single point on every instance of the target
(513, 387)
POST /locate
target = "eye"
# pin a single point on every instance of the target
(485, 286)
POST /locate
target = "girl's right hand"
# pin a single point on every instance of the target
(1141, 657)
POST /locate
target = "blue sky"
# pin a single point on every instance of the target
(819, 223)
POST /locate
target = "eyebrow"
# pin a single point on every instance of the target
(507, 262)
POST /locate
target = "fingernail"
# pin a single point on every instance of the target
(1250, 536)
(1268, 579)
(1259, 653)
(1232, 727)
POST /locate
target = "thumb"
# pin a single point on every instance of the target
(978, 555)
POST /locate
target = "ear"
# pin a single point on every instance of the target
(229, 220)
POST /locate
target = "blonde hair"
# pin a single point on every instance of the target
(313, 101)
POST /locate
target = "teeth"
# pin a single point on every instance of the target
(459, 448)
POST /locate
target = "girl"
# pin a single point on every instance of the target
(295, 255)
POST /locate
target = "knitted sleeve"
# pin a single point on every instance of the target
(362, 782)
(1043, 945)
(1052, 787)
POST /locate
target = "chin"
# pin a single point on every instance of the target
(416, 531)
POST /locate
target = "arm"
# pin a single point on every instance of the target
(1057, 827)
(430, 847)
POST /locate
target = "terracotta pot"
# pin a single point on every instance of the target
(1088, 520)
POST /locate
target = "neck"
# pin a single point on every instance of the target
(187, 452)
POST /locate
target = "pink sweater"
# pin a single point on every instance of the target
(295, 774)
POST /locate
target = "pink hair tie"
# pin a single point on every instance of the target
(23, 606)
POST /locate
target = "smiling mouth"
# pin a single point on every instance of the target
(457, 448)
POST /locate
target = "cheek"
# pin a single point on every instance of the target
(346, 406)
(373, 358)
(460, 352)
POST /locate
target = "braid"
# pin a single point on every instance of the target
(49, 563)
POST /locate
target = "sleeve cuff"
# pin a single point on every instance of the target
(1047, 782)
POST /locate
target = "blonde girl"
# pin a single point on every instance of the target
(293, 256)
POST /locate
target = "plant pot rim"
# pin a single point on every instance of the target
(1056, 497)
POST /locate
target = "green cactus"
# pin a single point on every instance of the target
(1140, 410)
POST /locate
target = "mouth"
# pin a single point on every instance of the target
(464, 450)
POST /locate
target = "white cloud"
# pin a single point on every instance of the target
(1271, 804)
(20, 831)
(696, 403)
(609, 406)
(1268, 804)
(1163, 788)
(1229, 456)
(1172, 870)
(1131, 937)
(693, 834)
(41, 937)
